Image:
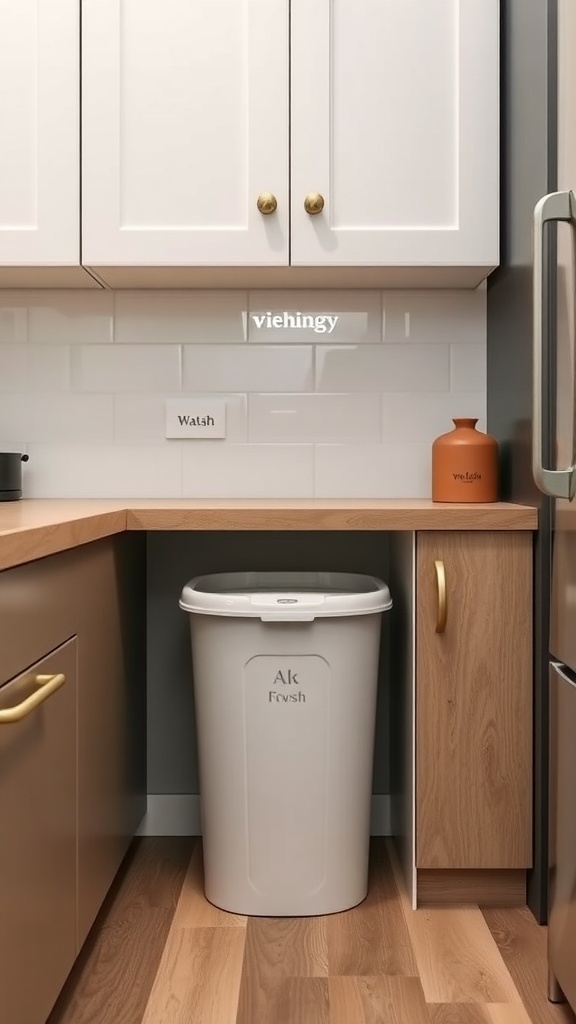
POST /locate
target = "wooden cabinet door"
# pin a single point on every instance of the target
(474, 701)
(39, 132)
(185, 123)
(38, 841)
(394, 120)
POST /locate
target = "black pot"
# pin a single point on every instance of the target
(11, 475)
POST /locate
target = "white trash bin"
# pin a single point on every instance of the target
(285, 680)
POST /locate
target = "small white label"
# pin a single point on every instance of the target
(195, 418)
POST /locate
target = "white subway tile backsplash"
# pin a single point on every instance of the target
(12, 419)
(111, 368)
(15, 446)
(435, 317)
(398, 470)
(213, 469)
(13, 316)
(143, 417)
(358, 316)
(314, 418)
(84, 377)
(57, 417)
(416, 417)
(468, 368)
(71, 317)
(34, 368)
(383, 367)
(181, 317)
(247, 368)
(103, 471)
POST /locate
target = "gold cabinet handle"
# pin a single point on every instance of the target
(266, 203)
(442, 599)
(47, 685)
(314, 203)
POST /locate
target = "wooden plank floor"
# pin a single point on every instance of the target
(159, 953)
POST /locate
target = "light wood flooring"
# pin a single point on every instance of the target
(159, 953)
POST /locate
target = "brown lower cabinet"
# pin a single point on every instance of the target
(73, 772)
(38, 835)
(473, 700)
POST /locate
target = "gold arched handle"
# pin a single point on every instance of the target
(314, 203)
(266, 203)
(47, 685)
(442, 599)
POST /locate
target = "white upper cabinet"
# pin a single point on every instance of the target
(393, 126)
(39, 133)
(298, 137)
(185, 125)
(394, 114)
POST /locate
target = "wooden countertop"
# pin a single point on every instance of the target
(34, 528)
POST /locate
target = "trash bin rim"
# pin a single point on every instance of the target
(271, 594)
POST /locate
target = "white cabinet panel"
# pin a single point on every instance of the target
(185, 122)
(395, 122)
(39, 130)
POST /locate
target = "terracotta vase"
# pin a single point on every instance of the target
(464, 464)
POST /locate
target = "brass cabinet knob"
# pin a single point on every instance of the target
(266, 203)
(314, 203)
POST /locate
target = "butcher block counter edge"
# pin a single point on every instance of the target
(34, 528)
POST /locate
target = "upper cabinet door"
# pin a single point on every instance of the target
(395, 124)
(185, 124)
(39, 132)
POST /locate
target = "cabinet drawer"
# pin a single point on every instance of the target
(38, 837)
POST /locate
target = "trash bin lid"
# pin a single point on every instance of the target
(285, 596)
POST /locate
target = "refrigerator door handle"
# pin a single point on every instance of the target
(558, 206)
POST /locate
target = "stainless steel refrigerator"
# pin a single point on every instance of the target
(532, 412)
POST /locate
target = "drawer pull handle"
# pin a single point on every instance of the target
(47, 685)
(442, 599)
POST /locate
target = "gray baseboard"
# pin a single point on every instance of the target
(178, 814)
